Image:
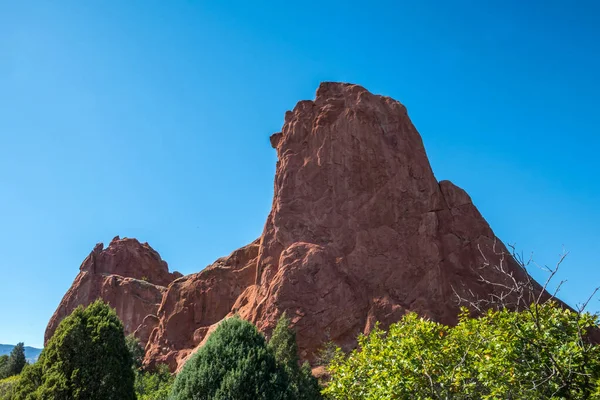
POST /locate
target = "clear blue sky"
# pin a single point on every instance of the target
(151, 119)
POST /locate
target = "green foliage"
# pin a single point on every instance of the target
(539, 353)
(87, 358)
(29, 382)
(149, 385)
(326, 353)
(16, 360)
(3, 364)
(283, 344)
(302, 385)
(307, 384)
(153, 385)
(7, 387)
(235, 363)
(136, 350)
(14, 363)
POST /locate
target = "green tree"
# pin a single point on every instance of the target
(327, 352)
(302, 386)
(539, 353)
(3, 363)
(149, 385)
(235, 363)
(87, 358)
(136, 350)
(16, 360)
(13, 364)
(29, 382)
(154, 385)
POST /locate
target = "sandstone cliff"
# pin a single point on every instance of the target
(360, 231)
(130, 276)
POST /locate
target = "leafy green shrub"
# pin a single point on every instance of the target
(149, 385)
(235, 363)
(154, 385)
(86, 359)
(539, 353)
(7, 387)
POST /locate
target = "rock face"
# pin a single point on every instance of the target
(360, 231)
(194, 304)
(130, 276)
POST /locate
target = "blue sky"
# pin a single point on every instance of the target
(151, 119)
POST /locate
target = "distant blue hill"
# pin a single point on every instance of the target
(31, 353)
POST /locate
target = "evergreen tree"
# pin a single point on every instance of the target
(149, 384)
(302, 386)
(235, 363)
(13, 364)
(3, 363)
(16, 360)
(283, 343)
(86, 359)
(136, 350)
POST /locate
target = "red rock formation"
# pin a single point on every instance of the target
(360, 231)
(193, 304)
(130, 276)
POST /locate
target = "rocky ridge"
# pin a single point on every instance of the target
(360, 231)
(128, 275)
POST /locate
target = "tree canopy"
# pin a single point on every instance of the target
(153, 385)
(87, 358)
(3, 363)
(302, 385)
(14, 363)
(136, 350)
(237, 363)
(539, 353)
(233, 364)
(150, 384)
(7, 387)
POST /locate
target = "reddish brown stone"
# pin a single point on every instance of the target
(128, 275)
(360, 231)
(193, 304)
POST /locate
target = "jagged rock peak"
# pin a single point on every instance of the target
(128, 257)
(129, 275)
(331, 99)
(360, 229)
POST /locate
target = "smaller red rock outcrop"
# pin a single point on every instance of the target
(128, 275)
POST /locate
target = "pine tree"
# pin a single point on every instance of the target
(235, 363)
(3, 363)
(283, 343)
(303, 386)
(136, 350)
(86, 359)
(14, 363)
